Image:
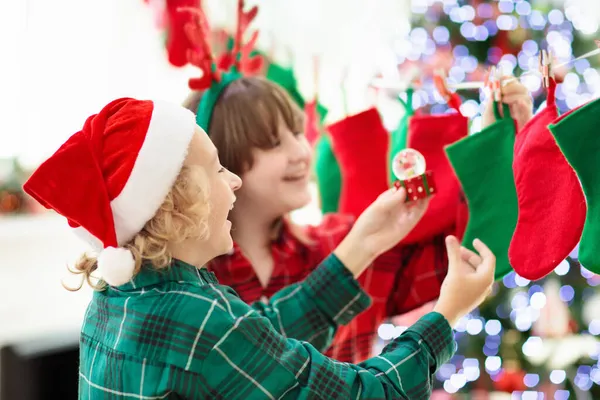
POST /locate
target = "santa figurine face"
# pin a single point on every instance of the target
(407, 164)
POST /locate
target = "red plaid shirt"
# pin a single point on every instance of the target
(400, 280)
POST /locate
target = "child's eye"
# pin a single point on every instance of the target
(299, 134)
(222, 169)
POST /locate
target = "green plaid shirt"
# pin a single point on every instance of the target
(179, 334)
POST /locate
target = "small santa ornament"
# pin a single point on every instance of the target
(409, 168)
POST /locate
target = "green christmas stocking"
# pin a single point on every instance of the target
(483, 165)
(329, 176)
(577, 137)
(399, 137)
(286, 79)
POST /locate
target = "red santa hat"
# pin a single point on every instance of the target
(110, 178)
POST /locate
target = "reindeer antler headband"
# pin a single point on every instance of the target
(216, 75)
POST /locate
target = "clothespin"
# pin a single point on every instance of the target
(316, 70)
(273, 46)
(493, 84)
(439, 80)
(545, 60)
(441, 84)
(344, 92)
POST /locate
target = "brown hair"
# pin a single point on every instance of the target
(183, 214)
(247, 116)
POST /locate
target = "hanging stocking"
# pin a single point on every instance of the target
(551, 203)
(577, 137)
(399, 137)
(178, 42)
(429, 134)
(311, 122)
(483, 164)
(329, 177)
(360, 143)
(285, 78)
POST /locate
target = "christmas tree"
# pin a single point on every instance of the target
(466, 37)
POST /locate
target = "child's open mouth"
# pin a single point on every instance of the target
(294, 178)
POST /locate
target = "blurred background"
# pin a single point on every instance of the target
(62, 60)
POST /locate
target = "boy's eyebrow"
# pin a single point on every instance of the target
(214, 158)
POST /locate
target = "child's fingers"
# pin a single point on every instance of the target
(488, 264)
(517, 98)
(416, 209)
(470, 257)
(453, 251)
(421, 206)
(514, 89)
(392, 200)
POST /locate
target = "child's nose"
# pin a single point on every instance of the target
(235, 182)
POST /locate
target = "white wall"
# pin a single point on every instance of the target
(64, 59)
(34, 254)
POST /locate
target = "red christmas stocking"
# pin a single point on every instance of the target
(577, 136)
(177, 41)
(552, 206)
(360, 144)
(429, 134)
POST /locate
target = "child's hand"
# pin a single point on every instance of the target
(380, 227)
(469, 280)
(516, 95)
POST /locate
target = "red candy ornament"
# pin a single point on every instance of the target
(410, 169)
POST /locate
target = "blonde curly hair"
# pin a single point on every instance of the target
(184, 214)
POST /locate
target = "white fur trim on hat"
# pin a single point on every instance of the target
(156, 167)
(116, 266)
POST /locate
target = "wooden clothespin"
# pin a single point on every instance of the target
(439, 80)
(441, 84)
(493, 83)
(344, 91)
(545, 60)
(316, 71)
(273, 46)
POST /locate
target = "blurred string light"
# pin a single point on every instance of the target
(561, 395)
(558, 376)
(594, 327)
(531, 380)
(484, 21)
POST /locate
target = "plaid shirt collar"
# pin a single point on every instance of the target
(286, 245)
(178, 271)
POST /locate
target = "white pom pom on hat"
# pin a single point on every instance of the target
(116, 265)
(117, 172)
